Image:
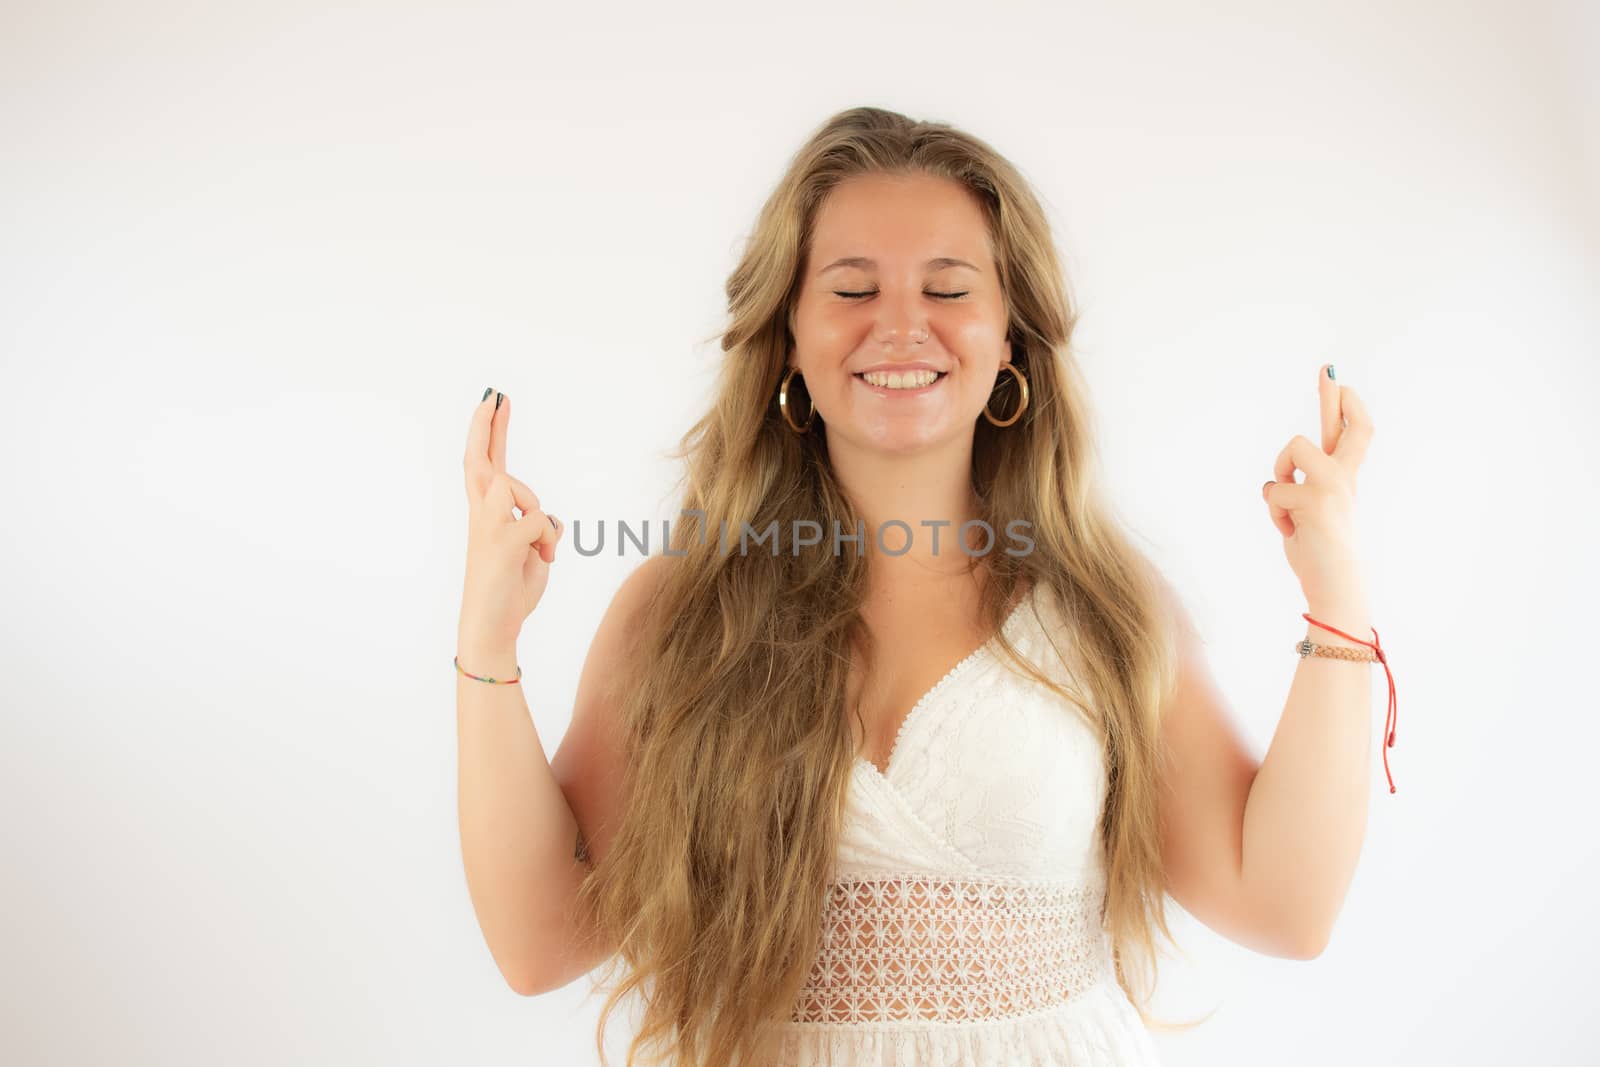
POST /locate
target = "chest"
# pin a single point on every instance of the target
(917, 645)
(991, 771)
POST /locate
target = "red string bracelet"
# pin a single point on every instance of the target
(1394, 707)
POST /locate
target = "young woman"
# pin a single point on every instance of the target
(915, 790)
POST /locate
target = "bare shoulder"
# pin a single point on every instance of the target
(589, 764)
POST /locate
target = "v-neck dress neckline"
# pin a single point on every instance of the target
(920, 708)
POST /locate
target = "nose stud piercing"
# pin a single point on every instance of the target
(917, 338)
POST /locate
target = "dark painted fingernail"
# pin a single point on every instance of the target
(485, 395)
(497, 398)
(1330, 370)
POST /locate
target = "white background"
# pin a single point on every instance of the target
(259, 263)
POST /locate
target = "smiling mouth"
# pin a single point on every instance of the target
(901, 381)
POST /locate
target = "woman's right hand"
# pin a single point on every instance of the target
(508, 557)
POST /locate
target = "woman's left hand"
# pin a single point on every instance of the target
(1317, 516)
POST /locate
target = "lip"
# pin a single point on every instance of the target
(920, 364)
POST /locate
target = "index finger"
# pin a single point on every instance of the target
(1328, 401)
(479, 462)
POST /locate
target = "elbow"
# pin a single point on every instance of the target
(525, 975)
(525, 988)
(1307, 950)
(547, 971)
(529, 982)
(524, 982)
(1306, 942)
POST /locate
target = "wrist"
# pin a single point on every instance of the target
(1350, 616)
(486, 659)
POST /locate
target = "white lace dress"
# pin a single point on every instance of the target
(964, 923)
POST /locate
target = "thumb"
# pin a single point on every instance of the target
(1278, 513)
(535, 528)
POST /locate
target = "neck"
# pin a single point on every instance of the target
(929, 491)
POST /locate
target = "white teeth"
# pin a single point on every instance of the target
(911, 379)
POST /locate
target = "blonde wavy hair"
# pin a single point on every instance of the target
(738, 754)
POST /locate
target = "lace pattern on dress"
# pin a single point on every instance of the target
(950, 949)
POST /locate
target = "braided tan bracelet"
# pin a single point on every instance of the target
(1358, 655)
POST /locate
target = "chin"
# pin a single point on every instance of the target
(905, 439)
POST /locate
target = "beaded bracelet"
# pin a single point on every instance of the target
(493, 681)
(1373, 653)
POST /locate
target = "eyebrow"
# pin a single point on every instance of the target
(938, 263)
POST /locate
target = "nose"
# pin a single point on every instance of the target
(899, 326)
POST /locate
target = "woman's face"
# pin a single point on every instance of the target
(916, 250)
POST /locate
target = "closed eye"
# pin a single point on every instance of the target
(870, 292)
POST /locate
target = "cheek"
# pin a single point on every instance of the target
(979, 343)
(829, 331)
(977, 328)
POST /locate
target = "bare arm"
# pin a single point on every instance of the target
(530, 826)
(1306, 816)
(1263, 851)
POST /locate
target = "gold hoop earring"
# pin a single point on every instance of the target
(783, 404)
(1022, 405)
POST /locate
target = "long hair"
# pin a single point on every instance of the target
(738, 748)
